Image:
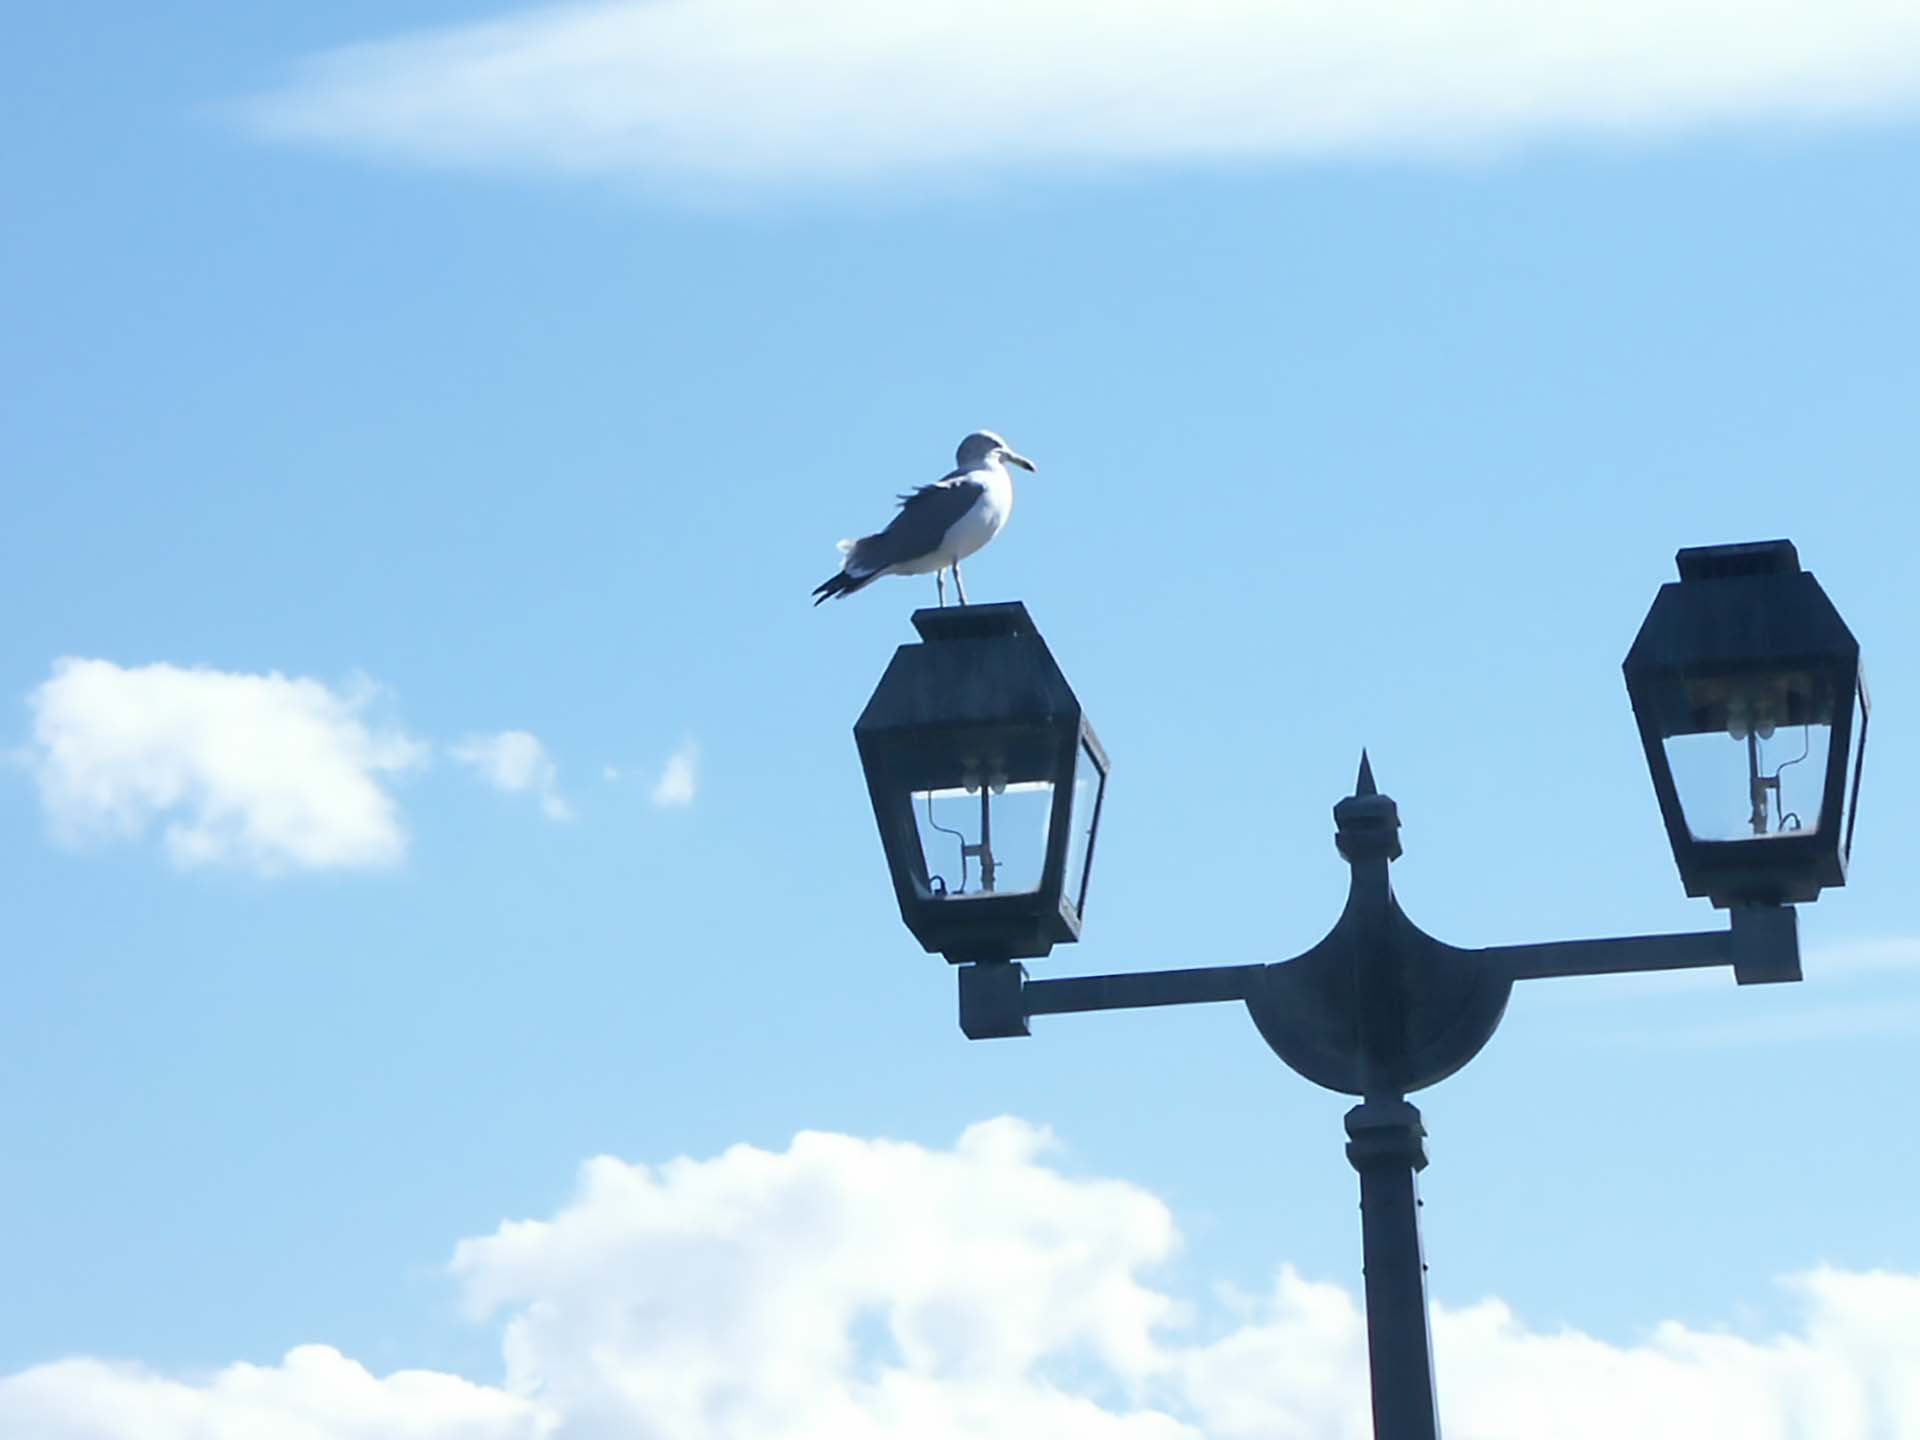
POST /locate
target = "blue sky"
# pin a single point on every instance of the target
(363, 407)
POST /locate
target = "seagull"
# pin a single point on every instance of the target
(939, 525)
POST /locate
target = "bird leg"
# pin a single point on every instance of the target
(940, 586)
(956, 582)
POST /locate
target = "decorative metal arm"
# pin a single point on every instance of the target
(997, 998)
(1364, 981)
(1762, 946)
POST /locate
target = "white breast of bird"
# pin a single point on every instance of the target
(983, 521)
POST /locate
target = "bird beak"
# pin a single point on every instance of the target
(1022, 461)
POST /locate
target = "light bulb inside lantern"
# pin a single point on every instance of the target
(1738, 722)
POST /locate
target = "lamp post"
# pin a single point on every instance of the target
(1742, 672)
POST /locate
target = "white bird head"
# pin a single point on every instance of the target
(983, 447)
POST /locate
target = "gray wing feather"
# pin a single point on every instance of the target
(925, 517)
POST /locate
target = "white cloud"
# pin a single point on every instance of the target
(757, 91)
(679, 781)
(515, 761)
(855, 1289)
(261, 772)
(735, 1287)
(315, 1393)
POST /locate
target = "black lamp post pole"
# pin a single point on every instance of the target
(1388, 1148)
(1386, 1141)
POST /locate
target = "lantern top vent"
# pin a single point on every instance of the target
(1728, 562)
(973, 622)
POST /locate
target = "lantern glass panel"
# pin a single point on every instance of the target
(1089, 783)
(1749, 756)
(983, 839)
(1851, 798)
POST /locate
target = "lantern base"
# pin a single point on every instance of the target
(1766, 944)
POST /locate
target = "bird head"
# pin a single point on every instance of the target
(983, 447)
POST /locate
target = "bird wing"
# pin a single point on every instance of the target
(926, 515)
(951, 477)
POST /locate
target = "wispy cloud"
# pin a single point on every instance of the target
(1857, 959)
(261, 772)
(869, 1288)
(679, 779)
(1854, 990)
(1819, 1020)
(769, 91)
(515, 761)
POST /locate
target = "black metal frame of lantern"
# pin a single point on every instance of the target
(1378, 1008)
(980, 706)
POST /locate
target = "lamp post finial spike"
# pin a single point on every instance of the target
(1364, 785)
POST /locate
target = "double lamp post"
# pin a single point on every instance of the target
(987, 782)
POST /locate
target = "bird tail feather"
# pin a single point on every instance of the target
(856, 571)
(842, 582)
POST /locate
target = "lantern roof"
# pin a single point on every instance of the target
(980, 665)
(1746, 607)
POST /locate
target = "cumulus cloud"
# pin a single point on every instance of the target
(679, 780)
(763, 91)
(515, 761)
(728, 1297)
(859, 1288)
(315, 1393)
(262, 772)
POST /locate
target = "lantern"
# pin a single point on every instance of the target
(1752, 709)
(986, 782)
